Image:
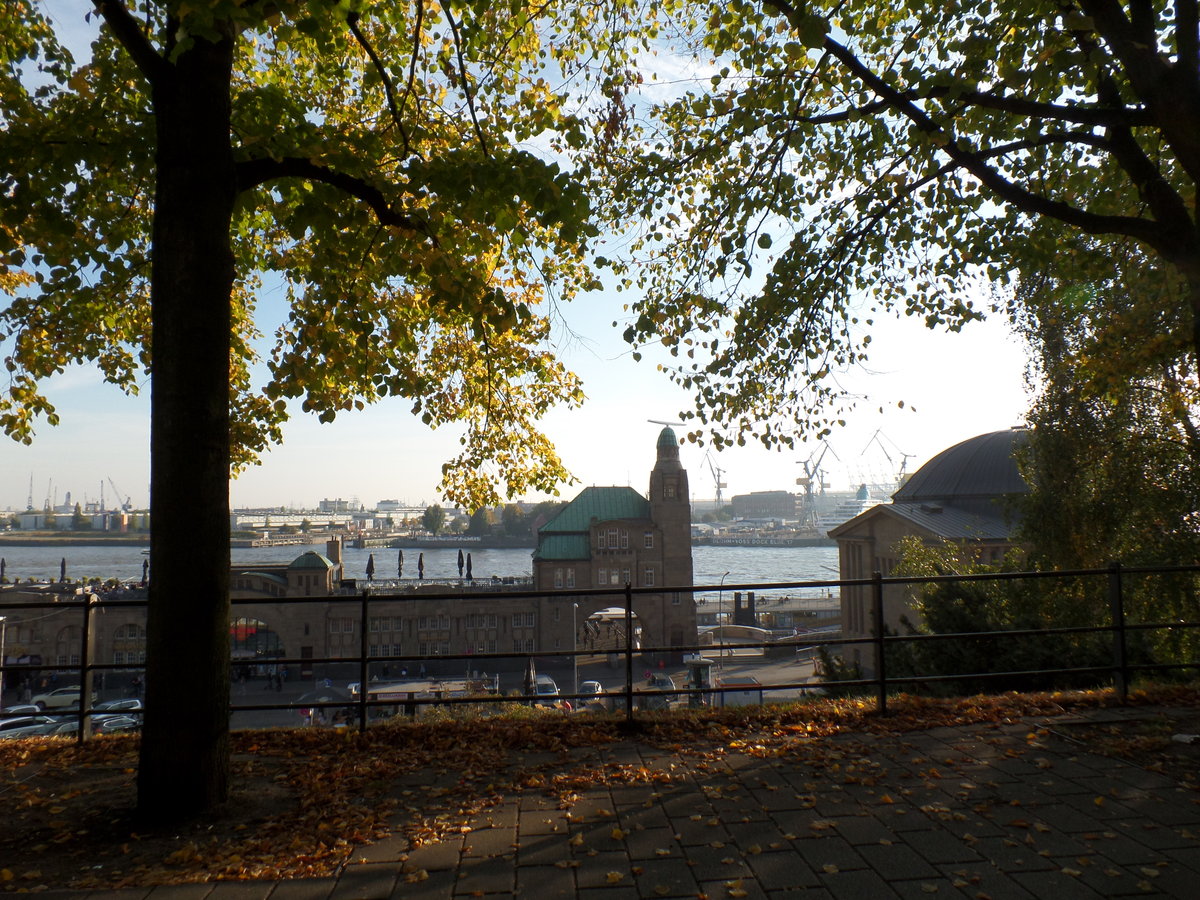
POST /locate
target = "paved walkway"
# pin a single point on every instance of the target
(987, 811)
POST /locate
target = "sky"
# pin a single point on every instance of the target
(953, 386)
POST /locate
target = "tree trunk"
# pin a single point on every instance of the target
(184, 765)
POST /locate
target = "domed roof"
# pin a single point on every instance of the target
(980, 468)
(666, 438)
(311, 560)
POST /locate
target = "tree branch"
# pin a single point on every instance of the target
(255, 172)
(389, 91)
(462, 68)
(129, 35)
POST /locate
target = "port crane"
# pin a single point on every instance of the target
(811, 480)
(127, 505)
(878, 439)
(717, 472)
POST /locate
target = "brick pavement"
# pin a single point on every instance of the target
(1002, 811)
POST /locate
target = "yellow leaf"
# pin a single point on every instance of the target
(617, 834)
(830, 869)
(614, 877)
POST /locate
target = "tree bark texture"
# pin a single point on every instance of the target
(184, 765)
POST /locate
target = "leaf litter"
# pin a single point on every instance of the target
(304, 800)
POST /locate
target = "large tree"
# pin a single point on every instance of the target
(370, 155)
(836, 161)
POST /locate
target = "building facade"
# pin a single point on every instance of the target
(606, 537)
(961, 495)
(609, 537)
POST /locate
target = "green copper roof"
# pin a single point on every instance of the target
(563, 546)
(311, 560)
(666, 438)
(601, 504)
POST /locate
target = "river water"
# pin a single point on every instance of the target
(744, 565)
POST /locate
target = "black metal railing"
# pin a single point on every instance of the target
(882, 680)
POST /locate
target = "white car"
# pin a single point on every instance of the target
(591, 688)
(59, 698)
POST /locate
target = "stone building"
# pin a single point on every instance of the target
(959, 496)
(605, 537)
(608, 537)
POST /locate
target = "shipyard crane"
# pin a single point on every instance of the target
(878, 438)
(811, 480)
(128, 504)
(717, 472)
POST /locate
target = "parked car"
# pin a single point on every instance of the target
(112, 708)
(21, 709)
(118, 724)
(59, 698)
(25, 726)
(591, 689)
(546, 690)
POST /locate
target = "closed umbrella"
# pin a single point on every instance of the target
(421, 565)
(371, 567)
(3, 566)
(468, 567)
(460, 563)
(62, 570)
(400, 564)
(145, 571)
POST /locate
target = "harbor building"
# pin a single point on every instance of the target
(608, 537)
(605, 537)
(959, 496)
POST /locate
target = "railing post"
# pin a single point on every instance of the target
(628, 653)
(1116, 603)
(877, 619)
(362, 662)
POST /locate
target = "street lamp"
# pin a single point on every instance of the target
(574, 649)
(720, 613)
(3, 635)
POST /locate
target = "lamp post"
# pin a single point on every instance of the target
(3, 635)
(720, 613)
(574, 649)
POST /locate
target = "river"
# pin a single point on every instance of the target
(744, 565)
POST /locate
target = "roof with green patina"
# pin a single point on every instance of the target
(597, 504)
(563, 546)
(311, 560)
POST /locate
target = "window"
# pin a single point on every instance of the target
(669, 490)
(373, 650)
(557, 615)
(335, 625)
(348, 626)
(649, 577)
(614, 577)
(624, 539)
(648, 540)
(558, 578)
(612, 538)
(570, 578)
(118, 657)
(601, 540)
(602, 577)
(624, 576)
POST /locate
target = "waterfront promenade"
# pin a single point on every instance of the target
(1005, 810)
